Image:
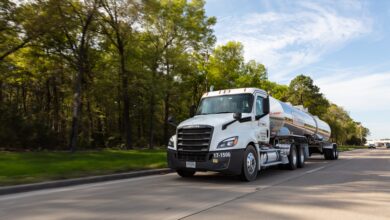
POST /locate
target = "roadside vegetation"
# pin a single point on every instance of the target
(349, 148)
(29, 167)
(91, 74)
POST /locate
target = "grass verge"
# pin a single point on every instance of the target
(30, 167)
(349, 148)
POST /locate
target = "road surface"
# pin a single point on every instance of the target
(355, 187)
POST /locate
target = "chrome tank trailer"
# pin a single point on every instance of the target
(286, 119)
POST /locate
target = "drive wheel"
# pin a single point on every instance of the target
(301, 157)
(186, 173)
(249, 164)
(293, 158)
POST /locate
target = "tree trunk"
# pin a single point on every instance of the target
(1, 93)
(126, 100)
(76, 114)
(56, 107)
(166, 106)
(166, 115)
(24, 99)
(90, 123)
(48, 96)
(151, 119)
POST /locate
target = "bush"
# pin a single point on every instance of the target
(19, 132)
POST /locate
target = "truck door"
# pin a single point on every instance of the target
(261, 123)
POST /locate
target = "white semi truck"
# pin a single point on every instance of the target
(241, 131)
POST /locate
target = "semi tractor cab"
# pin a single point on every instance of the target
(241, 131)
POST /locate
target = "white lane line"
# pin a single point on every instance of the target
(77, 187)
(314, 170)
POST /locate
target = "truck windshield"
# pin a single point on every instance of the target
(226, 104)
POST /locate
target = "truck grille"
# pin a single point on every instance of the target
(192, 156)
(194, 139)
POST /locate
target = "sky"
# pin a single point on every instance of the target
(343, 45)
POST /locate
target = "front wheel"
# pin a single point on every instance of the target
(185, 173)
(249, 164)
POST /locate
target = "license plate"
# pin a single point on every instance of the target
(190, 164)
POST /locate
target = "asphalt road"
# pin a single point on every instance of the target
(355, 187)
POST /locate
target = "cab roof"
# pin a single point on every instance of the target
(234, 91)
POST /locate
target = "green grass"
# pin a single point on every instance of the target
(29, 167)
(349, 148)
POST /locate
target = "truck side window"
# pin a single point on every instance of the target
(259, 105)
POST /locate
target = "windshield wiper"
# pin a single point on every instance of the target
(222, 112)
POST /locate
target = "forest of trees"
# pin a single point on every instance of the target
(108, 73)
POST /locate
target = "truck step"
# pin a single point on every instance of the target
(269, 150)
(271, 164)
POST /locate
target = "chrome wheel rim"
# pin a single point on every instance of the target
(251, 163)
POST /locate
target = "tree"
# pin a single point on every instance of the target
(226, 65)
(118, 18)
(302, 91)
(172, 28)
(100, 72)
(276, 90)
(73, 39)
(253, 75)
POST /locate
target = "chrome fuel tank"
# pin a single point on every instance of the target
(286, 119)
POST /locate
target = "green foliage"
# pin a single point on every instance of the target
(21, 132)
(302, 91)
(227, 68)
(108, 73)
(344, 129)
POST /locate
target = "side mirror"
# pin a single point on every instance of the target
(171, 120)
(266, 108)
(237, 115)
(192, 110)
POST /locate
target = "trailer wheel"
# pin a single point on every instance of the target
(331, 154)
(328, 154)
(249, 164)
(292, 158)
(301, 157)
(335, 152)
(186, 173)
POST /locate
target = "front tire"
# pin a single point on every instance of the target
(186, 173)
(249, 164)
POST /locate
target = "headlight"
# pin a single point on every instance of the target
(170, 144)
(229, 142)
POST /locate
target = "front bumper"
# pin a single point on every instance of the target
(229, 162)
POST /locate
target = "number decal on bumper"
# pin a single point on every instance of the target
(221, 154)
